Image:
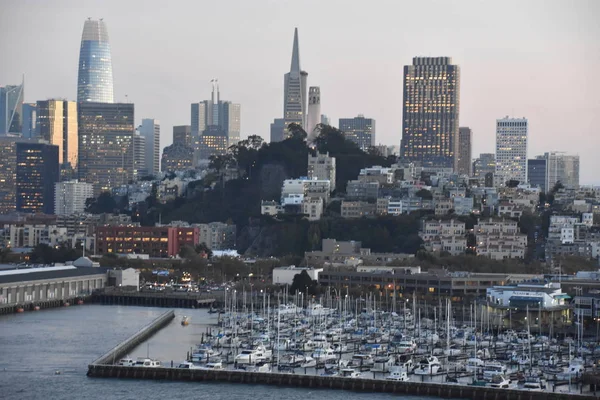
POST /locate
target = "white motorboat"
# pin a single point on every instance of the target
(574, 370)
(493, 368)
(322, 355)
(405, 362)
(474, 365)
(362, 360)
(258, 367)
(534, 383)
(250, 356)
(188, 365)
(287, 309)
(291, 360)
(335, 364)
(213, 366)
(309, 362)
(340, 347)
(428, 366)
(383, 363)
(398, 376)
(499, 382)
(407, 346)
(147, 362)
(318, 310)
(204, 354)
(126, 362)
(349, 373)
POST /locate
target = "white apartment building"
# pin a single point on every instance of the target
(511, 150)
(33, 235)
(306, 187)
(499, 239)
(562, 167)
(377, 173)
(217, 235)
(322, 167)
(271, 208)
(70, 197)
(434, 228)
(313, 208)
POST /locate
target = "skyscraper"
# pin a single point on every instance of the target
(37, 172)
(8, 172)
(182, 134)
(150, 130)
(430, 112)
(314, 112)
(11, 108)
(29, 120)
(294, 90)
(70, 197)
(277, 130)
(536, 172)
(106, 144)
(57, 124)
(213, 142)
(463, 165)
(139, 155)
(562, 167)
(360, 130)
(95, 81)
(511, 150)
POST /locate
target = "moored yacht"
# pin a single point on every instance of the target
(147, 362)
(493, 368)
(349, 373)
(126, 362)
(428, 366)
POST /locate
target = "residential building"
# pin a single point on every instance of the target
(325, 120)
(177, 157)
(313, 208)
(95, 80)
(182, 134)
(465, 139)
(359, 130)
(499, 239)
(57, 124)
(314, 112)
(536, 172)
(439, 235)
(430, 113)
(37, 172)
(294, 90)
(271, 208)
(322, 167)
(385, 176)
(335, 252)
(150, 130)
(218, 236)
(511, 150)
(31, 235)
(212, 142)
(562, 167)
(485, 164)
(70, 197)
(358, 209)
(139, 155)
(106, 144)
(462, 205)
(307, 188)
(358, 190)
(278, 130)
(11, 108)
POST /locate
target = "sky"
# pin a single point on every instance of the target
(533, 59)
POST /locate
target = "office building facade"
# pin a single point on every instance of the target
(463, 164)
(430, 113)
(70, 197)
(177, 157)
(536, 172)
(139, 156)
(277, 130)
(150, 130)
(11, 108)
(562, 167)
(57, 124)
(484, 164)
(29, 120)
(95, 79)
(182, 134)
(37, 172)
(359, 130)
(511, 150)
(106, 157)
(212, 142)
(294, 90)
(8, 173)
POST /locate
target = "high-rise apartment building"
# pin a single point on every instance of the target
(359, 130)
(182, 134)
(29, 120)
(322, 167)
(11, 108)
(139, 156)
(95, 80)
(294, 90)
(8, 173)
(106, 144)
(37, 172)
(314, 112)
(430, 112)
(463, 164)
(70, 197)
(511, 150)
(485, 164)
(57, 124)
(230, 121)
(562, 167)
(536, 172)
(150, 130)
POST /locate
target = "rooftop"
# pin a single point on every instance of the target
(48, 273)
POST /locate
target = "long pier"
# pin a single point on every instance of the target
(139, 337)
(324, 382)
(173, 299)
(43, 304)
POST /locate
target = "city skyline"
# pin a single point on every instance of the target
(502, 73)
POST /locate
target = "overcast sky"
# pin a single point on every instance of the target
(537, 59)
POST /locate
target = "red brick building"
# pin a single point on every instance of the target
(156, 241)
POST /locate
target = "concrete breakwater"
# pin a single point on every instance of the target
(138, 338)
(324, 382)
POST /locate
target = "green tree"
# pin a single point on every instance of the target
(104, 204)
(302, 283)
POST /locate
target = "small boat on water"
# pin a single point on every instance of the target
(493, 368)
(126, 362)
(499, 382)
(349, 373)
(309, 362)
(213, 366)
(398, 375)
(20, 309)
(428, 366)
(188, 365)
(36, 308)
(185, 321)
(534, 383)
(147, 363)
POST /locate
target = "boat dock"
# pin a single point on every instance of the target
(42, 304)
(324, 382)
(138, 338)
(149, 299)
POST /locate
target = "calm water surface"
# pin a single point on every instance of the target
(34, 345)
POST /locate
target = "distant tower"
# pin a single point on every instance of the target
(294, 91)
(95, 81)
(314, 112)
(511, 150)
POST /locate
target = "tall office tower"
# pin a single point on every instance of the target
(463, 165)
(37, 172)
(486, 163)
(562, 167)
(213, 142)
(182, 134)
(139, 156)
(11, 108)
(106, 144)
(511, 150)
(277, 130)
(70, 197)
(216, 112)
(29, 120)
(95, 80)
(314, 112)
(430, 112)
(360, 130)
(8, 172)
(150, 130)
(325, 120)
(536, 172)
(322, 167)
(57, 124)
(294, 90)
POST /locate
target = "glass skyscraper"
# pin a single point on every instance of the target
(95, 82)
(37, 172)
(11, 108)
(359, 130)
